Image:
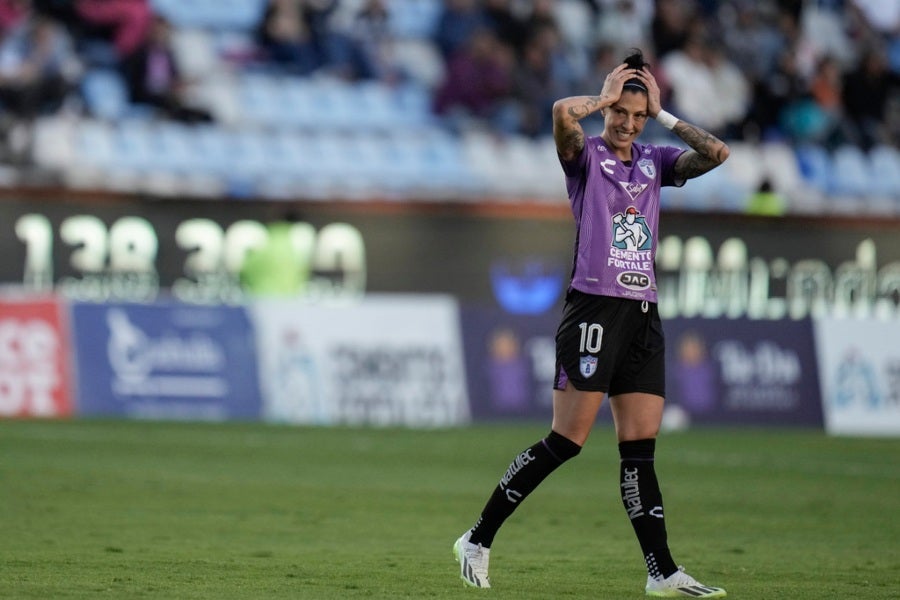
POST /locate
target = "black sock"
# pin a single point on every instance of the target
(521, 478)
(644, 505)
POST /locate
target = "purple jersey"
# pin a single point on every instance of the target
(616, 208)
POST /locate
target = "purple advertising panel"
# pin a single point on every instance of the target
(743, 372)
(719, 371)
(165, 361)
(510, 361)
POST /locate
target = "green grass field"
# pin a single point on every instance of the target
(96, 509)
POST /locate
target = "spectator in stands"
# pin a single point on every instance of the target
(731, 88)
(771, 98)
(122, 24)
(38, 67)
(457, 25)
(867, 89)
(477, 89)
(154, 79)
(127, 23)
(507, 23)
(537, 85)
(670, 26)
(285, 39)
(751, 37)
(623, 25)
(12, 12)
(372, 55)
(818, 115)
(706, 87)
(765, 201)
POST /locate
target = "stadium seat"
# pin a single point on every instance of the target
(53, 143)
(194, 53)
(94, 144)
(780, 166)
(105, 94)
(885, 168)
(744, 165)
(414, 18)
(260, 100)
(421, 60)
(850, 172)
(814, 163)
(211, 14)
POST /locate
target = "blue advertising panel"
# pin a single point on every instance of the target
(743, 372)
(165, 361)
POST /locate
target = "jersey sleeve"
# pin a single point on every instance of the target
(667, 157)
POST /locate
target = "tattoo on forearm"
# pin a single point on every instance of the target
(708, 150)
(572, 143)
(583, 110)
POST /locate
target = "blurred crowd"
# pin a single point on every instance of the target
(818, 71)
(824, 72)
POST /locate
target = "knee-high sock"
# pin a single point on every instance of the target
(524, 474)
(644, 504)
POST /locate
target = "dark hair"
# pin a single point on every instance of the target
(635, 60)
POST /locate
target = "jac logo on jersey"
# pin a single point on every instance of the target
(633, 280)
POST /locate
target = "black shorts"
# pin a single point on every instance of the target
(611, 345)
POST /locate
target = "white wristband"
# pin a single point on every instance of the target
(666, 119)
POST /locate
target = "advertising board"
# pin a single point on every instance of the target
(384, 360)
(34, 359)
(860, 376)
(165, 361)
(517, 257)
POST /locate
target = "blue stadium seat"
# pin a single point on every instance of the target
(94, 145)
(850, 172)
(414, 18)
(815, 166)
(211, 14)
(885, 167)
(105, 94)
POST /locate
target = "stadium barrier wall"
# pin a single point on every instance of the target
(418, 361)
(747, 302)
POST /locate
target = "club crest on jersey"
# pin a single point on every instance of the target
(588, 366)
(647, 167)
(630, 231)
(633, 188)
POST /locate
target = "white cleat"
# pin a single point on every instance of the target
(678, 585)
(473, 561)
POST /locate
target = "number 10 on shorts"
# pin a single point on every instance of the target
(591, 337)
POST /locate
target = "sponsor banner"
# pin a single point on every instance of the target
(730, 372)
(383, 360)
(34, 360)
(743, 371)
(509, 363)
(165, 361)
(860, 375)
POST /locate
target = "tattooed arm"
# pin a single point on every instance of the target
(567, 131)
(567, 112)
(707, 151)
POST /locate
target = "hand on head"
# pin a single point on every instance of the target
(612, 86)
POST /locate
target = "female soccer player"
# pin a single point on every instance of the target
(610, 340)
